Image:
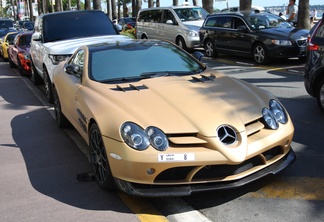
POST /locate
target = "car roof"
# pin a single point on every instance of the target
(241, 13)
(171, 7)
(69, 12)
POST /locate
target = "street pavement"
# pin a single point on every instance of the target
(39, 164)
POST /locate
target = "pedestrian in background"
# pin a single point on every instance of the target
(312, 16)
(292, 11)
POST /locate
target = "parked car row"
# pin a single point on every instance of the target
(257, 34)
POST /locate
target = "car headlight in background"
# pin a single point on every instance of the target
(192, 33)
(281, 42)
(274, 115)
(139, 139)
(56, 59)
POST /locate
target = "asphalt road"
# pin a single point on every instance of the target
(39, 162)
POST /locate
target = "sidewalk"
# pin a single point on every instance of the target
(39, 164)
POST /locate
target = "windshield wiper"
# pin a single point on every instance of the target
(124, 79)
(155, 74)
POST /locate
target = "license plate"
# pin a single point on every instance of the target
(176, 157)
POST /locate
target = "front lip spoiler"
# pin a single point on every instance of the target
(186, 190)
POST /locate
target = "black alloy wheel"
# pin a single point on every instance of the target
(99, 160)
(60, 118)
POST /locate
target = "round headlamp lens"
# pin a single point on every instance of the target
(157, 138)
(134, 136)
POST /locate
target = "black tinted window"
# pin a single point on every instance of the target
(318, 37)
(76, 25)
(221, 22)
(150, 16)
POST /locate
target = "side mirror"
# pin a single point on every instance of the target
(169, 22)
(73, 69)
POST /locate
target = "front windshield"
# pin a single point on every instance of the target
(268, 20)
(141, 59)
(191, 14)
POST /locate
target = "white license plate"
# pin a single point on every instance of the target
(176, 157)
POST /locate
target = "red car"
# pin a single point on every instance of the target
(18, 53)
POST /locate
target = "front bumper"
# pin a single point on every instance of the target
(186, 190)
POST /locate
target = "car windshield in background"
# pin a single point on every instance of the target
(6, 24)
(80, 23)
(191, 14)
(266, 20)
(141, 60)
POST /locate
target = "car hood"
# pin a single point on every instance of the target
(24, 48)
(291, 33)
(194, 25)
(67, 47)
(186, 104)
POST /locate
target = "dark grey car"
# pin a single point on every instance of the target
(260, 35)
(314, 68)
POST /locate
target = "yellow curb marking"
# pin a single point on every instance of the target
(293, 188)
(144, 211)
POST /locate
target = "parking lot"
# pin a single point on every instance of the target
(40, 162)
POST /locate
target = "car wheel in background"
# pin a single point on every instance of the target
(34, 77)
(99, 160)
(61, 120)
(19, 66)
(260, 55)
(11, 64)
(320, 95)
(181, 43)
(210, 49)
(48, 86)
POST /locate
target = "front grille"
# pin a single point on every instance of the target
(215, 172)
(301, 42)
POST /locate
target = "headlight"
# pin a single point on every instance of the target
(269, 119)
(278, 111)
(139, 139)
(134, 136)
(281, 42)
(192, 33)
(56, 59)
(274, 115)
(157, 138)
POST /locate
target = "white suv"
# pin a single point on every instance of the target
(57, 35)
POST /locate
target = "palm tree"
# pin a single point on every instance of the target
(208, 5)
(97, 4)
(245, 4)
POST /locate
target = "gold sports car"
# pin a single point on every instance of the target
(158, 122)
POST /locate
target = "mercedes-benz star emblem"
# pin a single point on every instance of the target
(226, 134)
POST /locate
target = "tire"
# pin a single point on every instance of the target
(144, 37)
(260, 54)
(48, 86)
(11, 64)
(320, 95)
(34, 76)
(210, 50)
(181, 43)
(99, 160)
(60, 118)
(20, 68)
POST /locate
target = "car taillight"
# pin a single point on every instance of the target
(312, 47)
